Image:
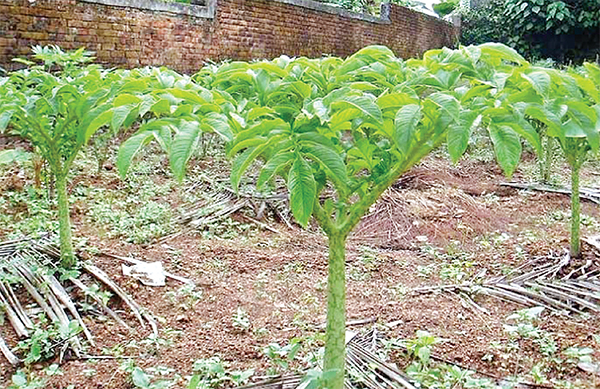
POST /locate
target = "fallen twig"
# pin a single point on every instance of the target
(590, 194)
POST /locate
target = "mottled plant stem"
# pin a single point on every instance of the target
(575, 211)
(335, 344)
(66, 243)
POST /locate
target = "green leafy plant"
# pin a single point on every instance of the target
(366, 122)
(282, 356)
(59, 114)
(446, 7)
(212, 373)
(144, 381)
(568, 104)
(579, 354)
(240, 320)
(46, 340)
(340, 132)
(22, 380)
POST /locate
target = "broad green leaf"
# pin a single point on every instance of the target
(394, 101)
(330, 161)
(448, 105)
(458, 140)
(526, 130)
(545, 116)
(187, 96)
(501, 52)
(507, 147)
(218, 123)
(126, 99)
(246, 143)
(589, 87)
(139, 378)
(183, 146)
(258, 112)
(119, 115)
(274, 165)
(341, 120)
(5, 118)
(100, 116)
(243, 160)
(262, 128)
(314, 137)
(572, 129)
(587, 118)
(593, 70)
(320, 110)
(129, 149)
(366, 105)
(405, 126)
(134, 86)
(8, 156)
(540, 81)
(474, 92)
(161, 107)
(303, 190)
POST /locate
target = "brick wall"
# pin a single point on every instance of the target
(236, 29)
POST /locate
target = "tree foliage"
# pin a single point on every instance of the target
(565, 30)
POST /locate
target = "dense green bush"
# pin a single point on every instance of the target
(566, 30)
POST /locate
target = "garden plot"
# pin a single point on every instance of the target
(257, 289)
(342, 135)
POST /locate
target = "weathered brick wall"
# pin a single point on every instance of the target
(240, 29)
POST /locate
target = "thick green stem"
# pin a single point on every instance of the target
(66, 242)
(575, 211)
(547, 166)
(335, 344)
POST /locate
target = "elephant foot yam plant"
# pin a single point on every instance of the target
(568, 104)
(340, 132)
(59, 112)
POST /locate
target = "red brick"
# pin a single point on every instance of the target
(242, 29)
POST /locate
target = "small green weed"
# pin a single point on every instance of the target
(22, 380)
(212, 373)
(281, 356)
(185, 297)
(46, 340)
(241, 321)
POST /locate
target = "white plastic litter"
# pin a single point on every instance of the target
(151, 274)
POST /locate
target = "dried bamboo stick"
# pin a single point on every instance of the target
(12, 358)
(105, 307)
(63, 296)
(549, 289)
(547, 300)
(13, 318)
(104, 278)
(37, 296)
(16, 305)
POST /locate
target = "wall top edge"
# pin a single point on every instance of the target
(208, 11)
(199, 11)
